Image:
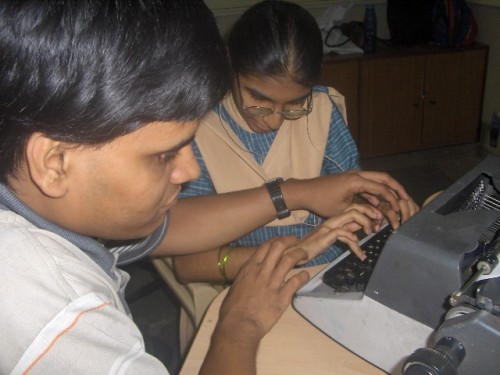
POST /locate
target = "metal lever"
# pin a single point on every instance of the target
(485, 265)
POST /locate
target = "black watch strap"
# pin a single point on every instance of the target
(274, 188)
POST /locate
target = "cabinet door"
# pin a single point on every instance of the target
(453, 97)
(343, 76)
(391, 104)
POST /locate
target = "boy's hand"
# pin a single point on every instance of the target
(329, 195)
(260, 294)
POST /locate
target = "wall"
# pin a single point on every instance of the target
(487, 13)
(227, 11)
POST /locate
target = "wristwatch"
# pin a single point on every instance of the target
(274, 188)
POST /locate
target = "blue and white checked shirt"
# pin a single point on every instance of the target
(341, 154)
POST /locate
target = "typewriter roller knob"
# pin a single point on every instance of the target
(488, 263)
(443, 359)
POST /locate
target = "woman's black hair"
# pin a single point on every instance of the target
(89, 71)
(277, 38)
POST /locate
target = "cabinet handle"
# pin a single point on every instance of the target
(422, 98)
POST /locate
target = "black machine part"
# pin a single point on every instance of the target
(468, 341)
(443, 359)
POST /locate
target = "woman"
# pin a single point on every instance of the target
(275, 123)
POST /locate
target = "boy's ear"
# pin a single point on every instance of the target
(47, 164)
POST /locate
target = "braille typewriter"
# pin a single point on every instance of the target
(432, 283)
(349, 276)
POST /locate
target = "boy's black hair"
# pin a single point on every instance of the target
(89, 71)
(277, 38)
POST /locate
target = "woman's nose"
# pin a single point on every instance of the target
(274, 121)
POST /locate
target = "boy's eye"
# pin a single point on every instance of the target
(165, 157)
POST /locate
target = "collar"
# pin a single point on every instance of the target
(99, 253)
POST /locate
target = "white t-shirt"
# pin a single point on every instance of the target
(61, 312)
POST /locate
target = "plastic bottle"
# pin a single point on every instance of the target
(370, 26)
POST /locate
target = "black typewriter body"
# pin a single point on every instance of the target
(348, 278)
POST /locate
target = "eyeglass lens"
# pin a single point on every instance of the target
(290, 114)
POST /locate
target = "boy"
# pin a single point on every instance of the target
(99, 103)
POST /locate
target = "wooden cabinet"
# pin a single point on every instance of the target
(343, 76)
(453, 97)
(390, 105)
(410, 99)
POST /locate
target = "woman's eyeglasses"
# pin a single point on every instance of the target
(289, 114)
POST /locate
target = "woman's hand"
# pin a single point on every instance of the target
(342, 227)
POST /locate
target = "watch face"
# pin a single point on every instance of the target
(274, 188)
(274, 180)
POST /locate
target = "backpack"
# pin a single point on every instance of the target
(410, 21)
(454, 24)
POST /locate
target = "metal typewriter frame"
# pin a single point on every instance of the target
(406, 300)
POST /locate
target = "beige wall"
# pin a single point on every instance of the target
(227, 15)
(487, 13)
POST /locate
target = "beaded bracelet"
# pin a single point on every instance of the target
(221, 263)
